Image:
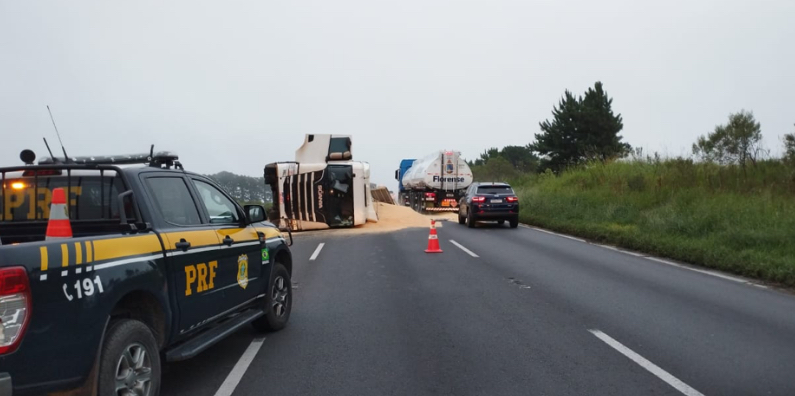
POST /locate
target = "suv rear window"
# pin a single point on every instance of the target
(495, 190)
(88, 197)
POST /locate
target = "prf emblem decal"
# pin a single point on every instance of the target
(265, 256)
(242, 271)
(450, 168)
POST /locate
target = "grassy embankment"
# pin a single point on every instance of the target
(718, 217)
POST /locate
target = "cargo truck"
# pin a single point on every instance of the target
(435, 183)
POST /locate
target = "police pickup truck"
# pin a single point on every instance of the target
(161, 265)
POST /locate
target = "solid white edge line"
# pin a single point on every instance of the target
(234, 377)
(469, 252)
(659, 260)
(317, 251)
(706, 272)
(560, 235)
(646, 364)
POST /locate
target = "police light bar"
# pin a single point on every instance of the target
(159, 159)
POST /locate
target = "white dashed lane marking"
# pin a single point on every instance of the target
(234, 377)
(317, 251)
(646, 364)
(469, 252)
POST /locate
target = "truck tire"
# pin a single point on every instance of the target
(129, 362)
(278, 301)
(470, 219)
(514, 223)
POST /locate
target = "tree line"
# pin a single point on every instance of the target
(584, 128)
(245, 189)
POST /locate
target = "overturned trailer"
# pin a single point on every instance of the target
(323, 187)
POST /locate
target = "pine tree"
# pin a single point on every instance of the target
(582, 129)
(558, 140)
(599, 127)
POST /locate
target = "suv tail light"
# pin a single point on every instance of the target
(14, 307)
(479, 199)
(512, 199)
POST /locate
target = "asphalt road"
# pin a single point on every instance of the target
(533, 313)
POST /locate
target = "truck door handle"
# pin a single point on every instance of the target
(182, 245)
(228, 241)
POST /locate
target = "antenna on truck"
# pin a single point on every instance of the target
(48, 149)
(66, 157)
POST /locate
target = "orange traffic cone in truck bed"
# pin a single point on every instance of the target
(433, 240)
(59, 225)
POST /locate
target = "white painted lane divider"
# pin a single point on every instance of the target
(234, 377)
(469, 252)
(317, 251)
(646, 364)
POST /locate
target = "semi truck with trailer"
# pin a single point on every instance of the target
(436, 182)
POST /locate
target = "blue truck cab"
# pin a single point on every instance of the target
(403, 196)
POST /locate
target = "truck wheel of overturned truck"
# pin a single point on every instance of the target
(129, 363)
(470, 219)
(278, 301)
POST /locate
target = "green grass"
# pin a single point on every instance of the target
(727, 218)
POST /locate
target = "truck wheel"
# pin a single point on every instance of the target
(278, 301)
(461, 219)
(129, 363)
(470, 220)
(514, 223)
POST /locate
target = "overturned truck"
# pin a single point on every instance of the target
(323, 187)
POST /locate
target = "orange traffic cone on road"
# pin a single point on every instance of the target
(59, 225)
(433, 240)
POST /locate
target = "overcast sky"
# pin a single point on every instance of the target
(234, 85)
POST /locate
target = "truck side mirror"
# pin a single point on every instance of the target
(255, 214)
(397, 174)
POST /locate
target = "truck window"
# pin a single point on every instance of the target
(339, 148)
(173, 200)
(220, 208)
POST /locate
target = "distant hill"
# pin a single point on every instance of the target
(245, 189)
